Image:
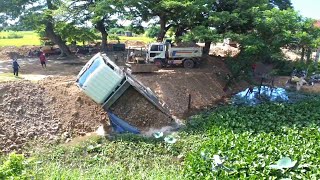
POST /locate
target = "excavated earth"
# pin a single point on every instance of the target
(54, 110)
(138, 111)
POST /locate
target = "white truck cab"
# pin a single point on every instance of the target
(164, 54)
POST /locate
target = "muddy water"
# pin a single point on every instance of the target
(265, 94)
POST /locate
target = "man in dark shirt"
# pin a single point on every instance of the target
(15, 67)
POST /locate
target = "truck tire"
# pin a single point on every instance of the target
(159, 63)
(188, 63)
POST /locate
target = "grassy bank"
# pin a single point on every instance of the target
(250, 139)
(28, 38)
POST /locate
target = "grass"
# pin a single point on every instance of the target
(29, 38)
(32, 38)
(252, 138)
(9, 77)
(138, 38)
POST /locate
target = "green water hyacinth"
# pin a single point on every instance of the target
(284, 163)
(158, 135)
(170, 139)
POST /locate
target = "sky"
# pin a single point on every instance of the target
(307, 8)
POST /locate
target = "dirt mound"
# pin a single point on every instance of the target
(187, 44)
(224, 51)
(134, 43)
(205, 85)
(139, 112)
(20, 52)
(49, 111)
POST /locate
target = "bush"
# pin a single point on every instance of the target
(153, 31)
(12, 167)
(14, 36)
(114, 37)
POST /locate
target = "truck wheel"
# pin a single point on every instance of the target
(188, 63)
(158, 62)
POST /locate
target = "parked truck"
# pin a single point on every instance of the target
(163, 54)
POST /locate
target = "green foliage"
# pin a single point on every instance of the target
(70, 32)
(118, 31)
(14, 167)
(202, 33)
(114, 37)
(153, 31)
(12, 36)
(253, 138)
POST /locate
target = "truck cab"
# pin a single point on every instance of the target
(163, 54)
(156, 50)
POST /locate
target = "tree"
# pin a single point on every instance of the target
(40, 15)
(100, 13)
(153, 31)
(164, 11)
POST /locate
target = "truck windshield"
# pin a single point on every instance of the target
(156, 48)
(96, 63)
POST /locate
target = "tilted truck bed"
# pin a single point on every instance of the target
(104, 82)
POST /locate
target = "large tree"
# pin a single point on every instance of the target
(101, 13)
(165, 12)
(39, 14)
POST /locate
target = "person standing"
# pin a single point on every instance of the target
(43, 59)
(15, 67)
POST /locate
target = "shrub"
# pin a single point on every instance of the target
(13, 166)
(114, 37)
(14, 36)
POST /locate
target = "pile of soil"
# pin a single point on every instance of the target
(187, 44)
(134, 43)
(50, 111)
(139, 112)
(205, 85)
(224, 51)
(7, 52)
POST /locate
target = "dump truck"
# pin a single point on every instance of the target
(164, 54)
(104, 82)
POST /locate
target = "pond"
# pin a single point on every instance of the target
(263, 94)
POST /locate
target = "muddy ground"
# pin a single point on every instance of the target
(51, 108)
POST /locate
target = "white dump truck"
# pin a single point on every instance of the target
(163, 54)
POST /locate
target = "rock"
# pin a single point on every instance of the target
(30, 135)
(68, 140)
(82, 133)
(13, 147)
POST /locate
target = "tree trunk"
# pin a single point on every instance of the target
(162, 32)
(309, 52)
(49, 30)
(302, 54)
(206, 48)
(179, 32)
(100, 27)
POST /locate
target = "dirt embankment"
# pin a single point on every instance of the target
(50, 111)
(205, 85)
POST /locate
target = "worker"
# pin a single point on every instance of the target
(132, 55)
(43, 59)
(15, 67)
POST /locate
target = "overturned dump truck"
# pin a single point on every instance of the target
(130, 105)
